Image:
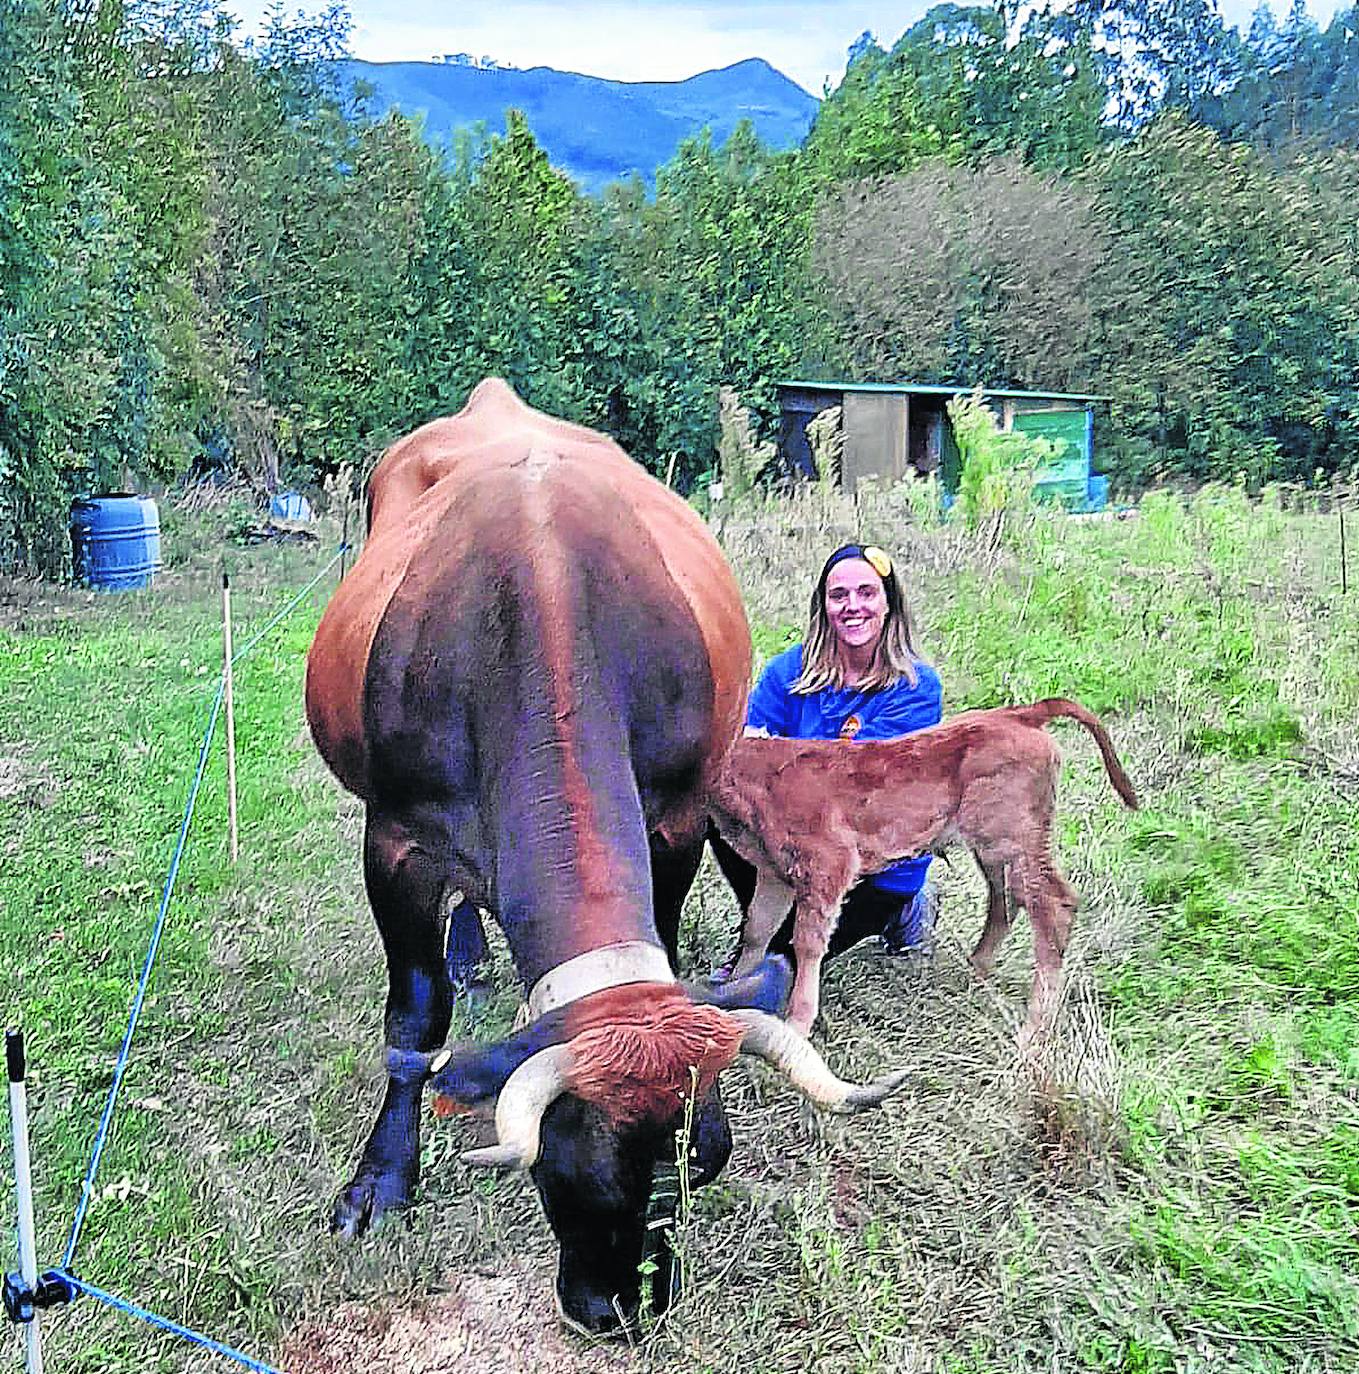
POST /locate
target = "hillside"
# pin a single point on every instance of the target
(596, 130)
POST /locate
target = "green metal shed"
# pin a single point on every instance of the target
(893, 428)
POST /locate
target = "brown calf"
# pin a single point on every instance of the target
(816, 816)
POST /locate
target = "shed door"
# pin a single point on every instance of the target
(876, 428)
(1069, 472)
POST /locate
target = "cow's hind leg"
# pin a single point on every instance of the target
(406, 881)
(673, 870)
(466, 950)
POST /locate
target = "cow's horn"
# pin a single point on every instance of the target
(528, 1092)
(778, 1044)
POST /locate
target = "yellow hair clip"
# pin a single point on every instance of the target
(878, 561)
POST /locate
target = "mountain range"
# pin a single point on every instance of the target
(595, 130)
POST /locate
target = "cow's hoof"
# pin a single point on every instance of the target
(364, 1203)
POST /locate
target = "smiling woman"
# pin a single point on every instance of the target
(857, 676)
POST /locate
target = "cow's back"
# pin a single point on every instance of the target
(515, 558)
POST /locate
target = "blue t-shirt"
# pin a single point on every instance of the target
(884, 714)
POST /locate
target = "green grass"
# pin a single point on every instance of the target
(1175, 1191)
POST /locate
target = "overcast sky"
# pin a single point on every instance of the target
(648, 40)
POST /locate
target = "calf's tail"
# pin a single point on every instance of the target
(1043, 711)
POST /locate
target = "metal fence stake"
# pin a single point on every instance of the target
(23, 1187)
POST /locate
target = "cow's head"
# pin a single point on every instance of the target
(595, 1115)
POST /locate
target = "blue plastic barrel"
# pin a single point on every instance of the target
(115, 542)
(290, 505)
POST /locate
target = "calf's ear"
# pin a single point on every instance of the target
(767, 989)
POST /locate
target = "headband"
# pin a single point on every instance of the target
(875, 557)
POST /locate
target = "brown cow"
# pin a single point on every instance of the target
(531, 677)
(816, 816)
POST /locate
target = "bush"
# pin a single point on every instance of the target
(998, 466)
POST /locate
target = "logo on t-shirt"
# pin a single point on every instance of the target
(851, 727)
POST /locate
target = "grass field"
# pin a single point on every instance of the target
(1175, 1189)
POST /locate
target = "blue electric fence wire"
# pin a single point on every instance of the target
(165, 1324)
(120, 1069)
(290, 607)
(101, 1136)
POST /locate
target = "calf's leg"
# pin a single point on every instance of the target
(764, 916)
(812, 930)
(1051, 904)
(406, 880)
(997, 914)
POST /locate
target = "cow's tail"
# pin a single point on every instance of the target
(1043, 711)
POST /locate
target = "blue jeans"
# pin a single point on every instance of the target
(911, 927)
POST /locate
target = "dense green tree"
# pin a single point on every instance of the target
(68, 268)
(316, 213)
(964, 83)
(497, 283)
(1159, 55)
(875, 121)
(523, 232)
(1296, 84)
(718, 275)
(1235, 307)
(137, 65)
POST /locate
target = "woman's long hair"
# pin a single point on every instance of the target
(896, 656)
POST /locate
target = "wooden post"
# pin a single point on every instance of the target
(344, 538)
(230, 716)
(1344, 560)
(670, 469)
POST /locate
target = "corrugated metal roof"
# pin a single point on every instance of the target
(920, 389)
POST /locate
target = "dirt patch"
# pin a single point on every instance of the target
(21, 781)
(504, 1322)
(28, 605)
